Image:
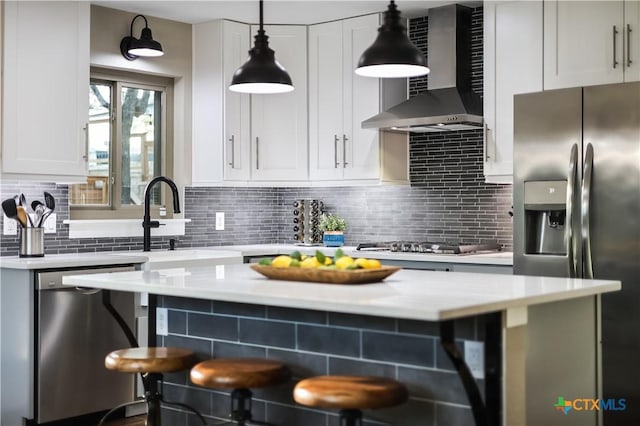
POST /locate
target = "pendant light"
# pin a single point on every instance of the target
(131, 47)
(261, 73)
(392, 55)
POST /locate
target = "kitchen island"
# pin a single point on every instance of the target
(389, 328)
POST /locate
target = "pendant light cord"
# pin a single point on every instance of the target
(261, 17)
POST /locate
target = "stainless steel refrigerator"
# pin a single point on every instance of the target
(577, 214)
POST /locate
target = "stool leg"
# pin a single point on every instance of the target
(350, 418)
(153, 395)
(241, 406)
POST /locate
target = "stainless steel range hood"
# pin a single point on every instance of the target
(449, 103)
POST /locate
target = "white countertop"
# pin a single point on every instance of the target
(72, 260)
(152, 259)
(497, 258)
(198, 256)
(409, 294)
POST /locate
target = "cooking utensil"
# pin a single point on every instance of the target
(39, 209)
(10, 209)
(22, 215)
(49, 201)
(23, 200)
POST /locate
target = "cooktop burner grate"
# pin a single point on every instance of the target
(430, 247)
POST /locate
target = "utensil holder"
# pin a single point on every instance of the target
(31, 242)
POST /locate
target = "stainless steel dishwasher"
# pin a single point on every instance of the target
(74, 333)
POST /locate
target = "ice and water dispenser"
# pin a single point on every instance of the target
(545, 208)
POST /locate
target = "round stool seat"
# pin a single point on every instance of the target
(150, 360)
(350, 392)
(239, 373)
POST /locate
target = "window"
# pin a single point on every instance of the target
(129, 143)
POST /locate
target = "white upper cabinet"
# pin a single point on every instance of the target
(221, 118)
(590, 42)
(512, 65)
(247, 138)
(339, 100)
(237, 106)
(45, 94)
(279, 121)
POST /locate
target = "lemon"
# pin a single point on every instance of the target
(361, 262)
(295, 263)
(344, 262)
(373, 264)
(281, 262)
(310, 262)
(328, 261)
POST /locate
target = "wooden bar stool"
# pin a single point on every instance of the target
(151, 363)
(240, 374)
(350, 394)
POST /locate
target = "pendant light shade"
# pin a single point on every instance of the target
(261, 73)
(131, 47)
(392, 55)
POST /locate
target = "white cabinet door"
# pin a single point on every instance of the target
(325, 101)
(361, 147)
(632, 41)
(279, 121)
(583, 43)
(46, 95)
(237, 106)
(511, 65)
(221, 118)
(340, 100)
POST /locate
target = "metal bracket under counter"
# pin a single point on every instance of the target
(488, 412)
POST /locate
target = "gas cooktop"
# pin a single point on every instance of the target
(430, 247)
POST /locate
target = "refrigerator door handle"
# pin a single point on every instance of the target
(586, 200)
(569, 234)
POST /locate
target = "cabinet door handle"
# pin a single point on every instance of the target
(233, 154)
(629, 61)
(335, 151)
(85, 157)
(257, 153)
(485, 134)
(615, 46)
(344, 150)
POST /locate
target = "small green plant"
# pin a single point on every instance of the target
(332, 222)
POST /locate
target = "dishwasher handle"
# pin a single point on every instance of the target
(87, 290)
(52, 280)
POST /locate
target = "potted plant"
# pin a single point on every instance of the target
(333, 227)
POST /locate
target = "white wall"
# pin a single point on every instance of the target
(109, 26)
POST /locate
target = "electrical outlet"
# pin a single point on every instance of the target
(219, 221)
(162, 321)
(474, 357)
(49, 225)
(9, 226)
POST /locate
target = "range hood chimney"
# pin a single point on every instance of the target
(449, 103)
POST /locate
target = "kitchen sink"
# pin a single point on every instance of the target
(162, 259)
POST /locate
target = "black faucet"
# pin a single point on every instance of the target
(147, 223)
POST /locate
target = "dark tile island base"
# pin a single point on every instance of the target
(317, 343)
